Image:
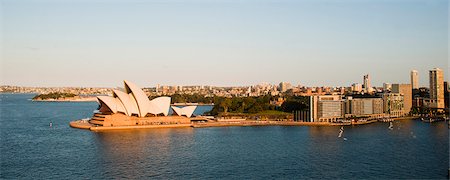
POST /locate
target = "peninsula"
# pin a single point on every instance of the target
(63, 97)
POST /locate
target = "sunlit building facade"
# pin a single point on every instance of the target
(415, 79)
(406, 91)
(437, 88)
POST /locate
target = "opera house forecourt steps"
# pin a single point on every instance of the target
(133, 110)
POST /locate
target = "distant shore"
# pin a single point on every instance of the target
(83, 99)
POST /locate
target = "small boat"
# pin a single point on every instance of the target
(341, 131)
(391, 126)
(427, 120)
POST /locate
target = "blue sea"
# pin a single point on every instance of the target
(30, 149)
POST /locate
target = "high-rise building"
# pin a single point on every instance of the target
(446, 94)
(415, 79)
(437, 88)
(284, 86)
(406, 91)
(366, 83)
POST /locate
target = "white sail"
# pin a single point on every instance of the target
(341, 131)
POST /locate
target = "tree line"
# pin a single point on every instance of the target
(53, 95)
(258, 104)
(249, 105)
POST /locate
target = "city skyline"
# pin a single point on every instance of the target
(229, 89)
(223, 43)
(362, 84)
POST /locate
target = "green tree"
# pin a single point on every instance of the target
(225, 104)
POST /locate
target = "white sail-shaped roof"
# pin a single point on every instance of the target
(162, 104)
(184, 111)
(135, 102)
(120, 107)
(142, 101)
(129, 104)
(153, 109)
(110, 102)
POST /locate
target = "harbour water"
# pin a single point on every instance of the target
(31, 149)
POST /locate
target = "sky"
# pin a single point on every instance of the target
(99, 43)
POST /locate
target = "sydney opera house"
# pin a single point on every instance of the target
(133, 108)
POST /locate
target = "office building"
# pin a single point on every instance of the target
(364, 106)
(366, 83)
(406, 91)
(393, 104)
(437, 88)
(415, 79)
(326, 108)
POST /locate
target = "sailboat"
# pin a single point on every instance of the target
(391, 126)
(341, 131)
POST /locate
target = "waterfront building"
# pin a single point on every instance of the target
(415, 79)
(326, 108)
(361, 106)
(437, 88)
(393, 104)
(406, 91)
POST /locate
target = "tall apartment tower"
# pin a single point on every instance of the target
(415, 79)
(437, 87)
(366, 82)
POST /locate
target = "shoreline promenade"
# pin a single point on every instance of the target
(84, 124)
